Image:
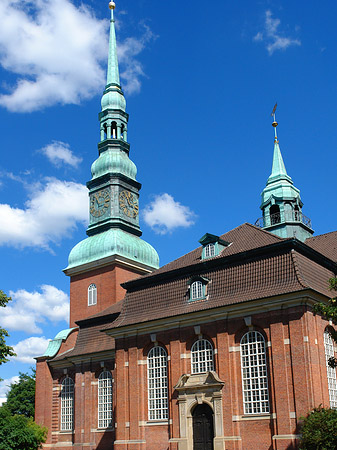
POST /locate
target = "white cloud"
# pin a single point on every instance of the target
(28, 310)
(54, 48)
(28, 349)
(58, 53)
(59, 153)
(164, 214)
(4, 387)
(51, 213)
(273, 37)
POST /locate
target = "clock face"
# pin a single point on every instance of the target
(99, 203)
(128, 203)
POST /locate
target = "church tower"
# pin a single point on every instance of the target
(113, 252)
(281, 202)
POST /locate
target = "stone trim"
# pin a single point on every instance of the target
(102, 430)
(234, 349)
(134, 441)
(286, 436)
(150, 423)
(193, 390)
(254, 417)
(286, 341)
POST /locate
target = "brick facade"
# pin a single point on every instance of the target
(120, 335)
(108, 280)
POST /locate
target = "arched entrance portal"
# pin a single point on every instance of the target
(203, 432)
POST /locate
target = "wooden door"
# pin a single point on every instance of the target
(203, 432)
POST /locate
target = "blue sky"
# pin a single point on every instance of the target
(200, 80)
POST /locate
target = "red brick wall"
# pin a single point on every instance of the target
(107, 280)
(296, 376)
(43, 396)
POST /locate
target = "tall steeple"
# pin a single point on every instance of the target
(281, 202)
(114, 232)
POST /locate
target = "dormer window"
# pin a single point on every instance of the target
(212, 245)
(197, 288)
(209, 250)
(92, 295)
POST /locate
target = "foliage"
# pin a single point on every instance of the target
(319, 430)
(21, 396)
(5, 350)
(329, 311)
(19, 432)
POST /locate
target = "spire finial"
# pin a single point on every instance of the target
(274, 122)
(113, 72)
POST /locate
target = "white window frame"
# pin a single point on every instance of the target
(197, 290)
(157, 384)
(67, 404)
(209, 250)
(92, 295)
(255, 391)
(105, 400)
(331, 372)
(202, 356)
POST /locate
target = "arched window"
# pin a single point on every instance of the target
(197, 290)
(209, 250)
(254, 373)
(297, 214)
(67, 404)
(274, 212)
(157, 383)
(92, 295)
(331, 372)
(105, 400)
(202, 356)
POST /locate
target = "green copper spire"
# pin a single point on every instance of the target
(113, 231)
(281, 202)
(113, 96)
(113, 72)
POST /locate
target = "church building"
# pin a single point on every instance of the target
(217, 350)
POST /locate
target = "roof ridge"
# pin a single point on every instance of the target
(264, 231)
(298, 273)
(320, 235)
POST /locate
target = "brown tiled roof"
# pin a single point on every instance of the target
(325, 244)
(238, 282)
(89, 340)
(242, 238)
(111, 310)
(256, 265)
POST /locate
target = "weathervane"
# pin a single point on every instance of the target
(274, 123)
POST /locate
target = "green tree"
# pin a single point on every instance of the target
(19, 432)
(319, 430)
(329, 311)
(5, 350)
(21, 395)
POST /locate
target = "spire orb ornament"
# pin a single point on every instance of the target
(112, 5)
